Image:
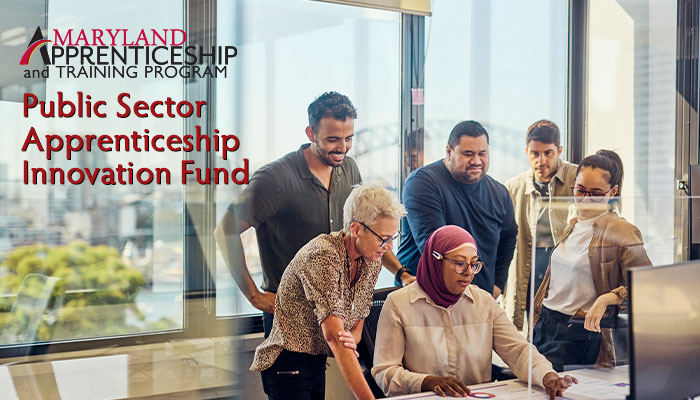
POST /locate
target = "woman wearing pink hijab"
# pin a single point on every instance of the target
(437, 333)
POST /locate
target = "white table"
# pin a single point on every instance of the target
(599, 384)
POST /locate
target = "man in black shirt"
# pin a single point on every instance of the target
(294, 199)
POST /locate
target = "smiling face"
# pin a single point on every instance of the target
(543, 159)
(596, 181)
(454, 282)
(368, 244)
(333, 140)
(468, 161)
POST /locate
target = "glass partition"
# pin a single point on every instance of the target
(631, 99)
(577, 305)
(501, 63)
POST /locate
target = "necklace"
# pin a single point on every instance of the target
(352, 282)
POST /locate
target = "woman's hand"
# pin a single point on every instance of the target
(445, 386)
(348, 341)
(556, 385)
(595, 314)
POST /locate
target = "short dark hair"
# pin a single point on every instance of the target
(544, 131)
(468, 128)
(330, 104)
(608, 161)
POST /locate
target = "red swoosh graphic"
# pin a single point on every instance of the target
(28, 54)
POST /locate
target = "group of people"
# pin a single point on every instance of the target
(465, 240)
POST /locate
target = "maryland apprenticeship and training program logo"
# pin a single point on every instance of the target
(121, 53)
(37, 41)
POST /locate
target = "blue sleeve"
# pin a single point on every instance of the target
(506, 243)
(424, 207)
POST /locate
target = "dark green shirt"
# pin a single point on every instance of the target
(288, 206)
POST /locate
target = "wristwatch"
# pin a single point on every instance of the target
(400, 272)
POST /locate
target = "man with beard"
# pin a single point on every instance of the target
(294, 199)
(532, 191)
(457, 191)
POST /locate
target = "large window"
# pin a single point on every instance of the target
(502, 63)
(91, 261)
(631, 107)
(289, 53)
(116, 252)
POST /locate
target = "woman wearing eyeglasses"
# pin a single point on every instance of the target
(322, 300)
(586, 272)
(437, 333)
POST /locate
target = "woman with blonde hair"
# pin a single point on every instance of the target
(324, 295)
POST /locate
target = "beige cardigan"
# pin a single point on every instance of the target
(526, 204)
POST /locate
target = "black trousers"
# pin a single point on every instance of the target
(267, 323)
(565, 345)
(541, 263)
(296, 376)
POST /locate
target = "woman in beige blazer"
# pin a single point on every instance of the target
(586, 272)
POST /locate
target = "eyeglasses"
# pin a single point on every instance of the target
(579, 192)
(460, 266)
(384, 241)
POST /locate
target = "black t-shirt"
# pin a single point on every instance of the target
(288, 206)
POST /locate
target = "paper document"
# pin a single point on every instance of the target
(591, 385)
(588, 388)
(506, 390)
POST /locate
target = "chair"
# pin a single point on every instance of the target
(369, 333)
(499, 373)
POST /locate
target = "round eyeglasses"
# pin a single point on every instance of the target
(461, 266)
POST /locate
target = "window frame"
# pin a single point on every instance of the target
(199, 250)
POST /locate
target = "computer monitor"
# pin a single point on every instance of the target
(665, 331)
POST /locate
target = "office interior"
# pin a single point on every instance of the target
(125, 286)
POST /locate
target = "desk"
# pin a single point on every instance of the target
(200, 368)
(599, 384)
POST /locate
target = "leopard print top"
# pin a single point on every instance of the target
(316, 284)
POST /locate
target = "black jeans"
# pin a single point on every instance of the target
(565, 345)
(296, 376)
(267, 323)
(541, 263)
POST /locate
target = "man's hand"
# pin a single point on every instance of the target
(496, 291)
(407, 279)
(595, 314)
(333, 330)
(445, 386)
(348, 341)
(263, 301)
(555, 385)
